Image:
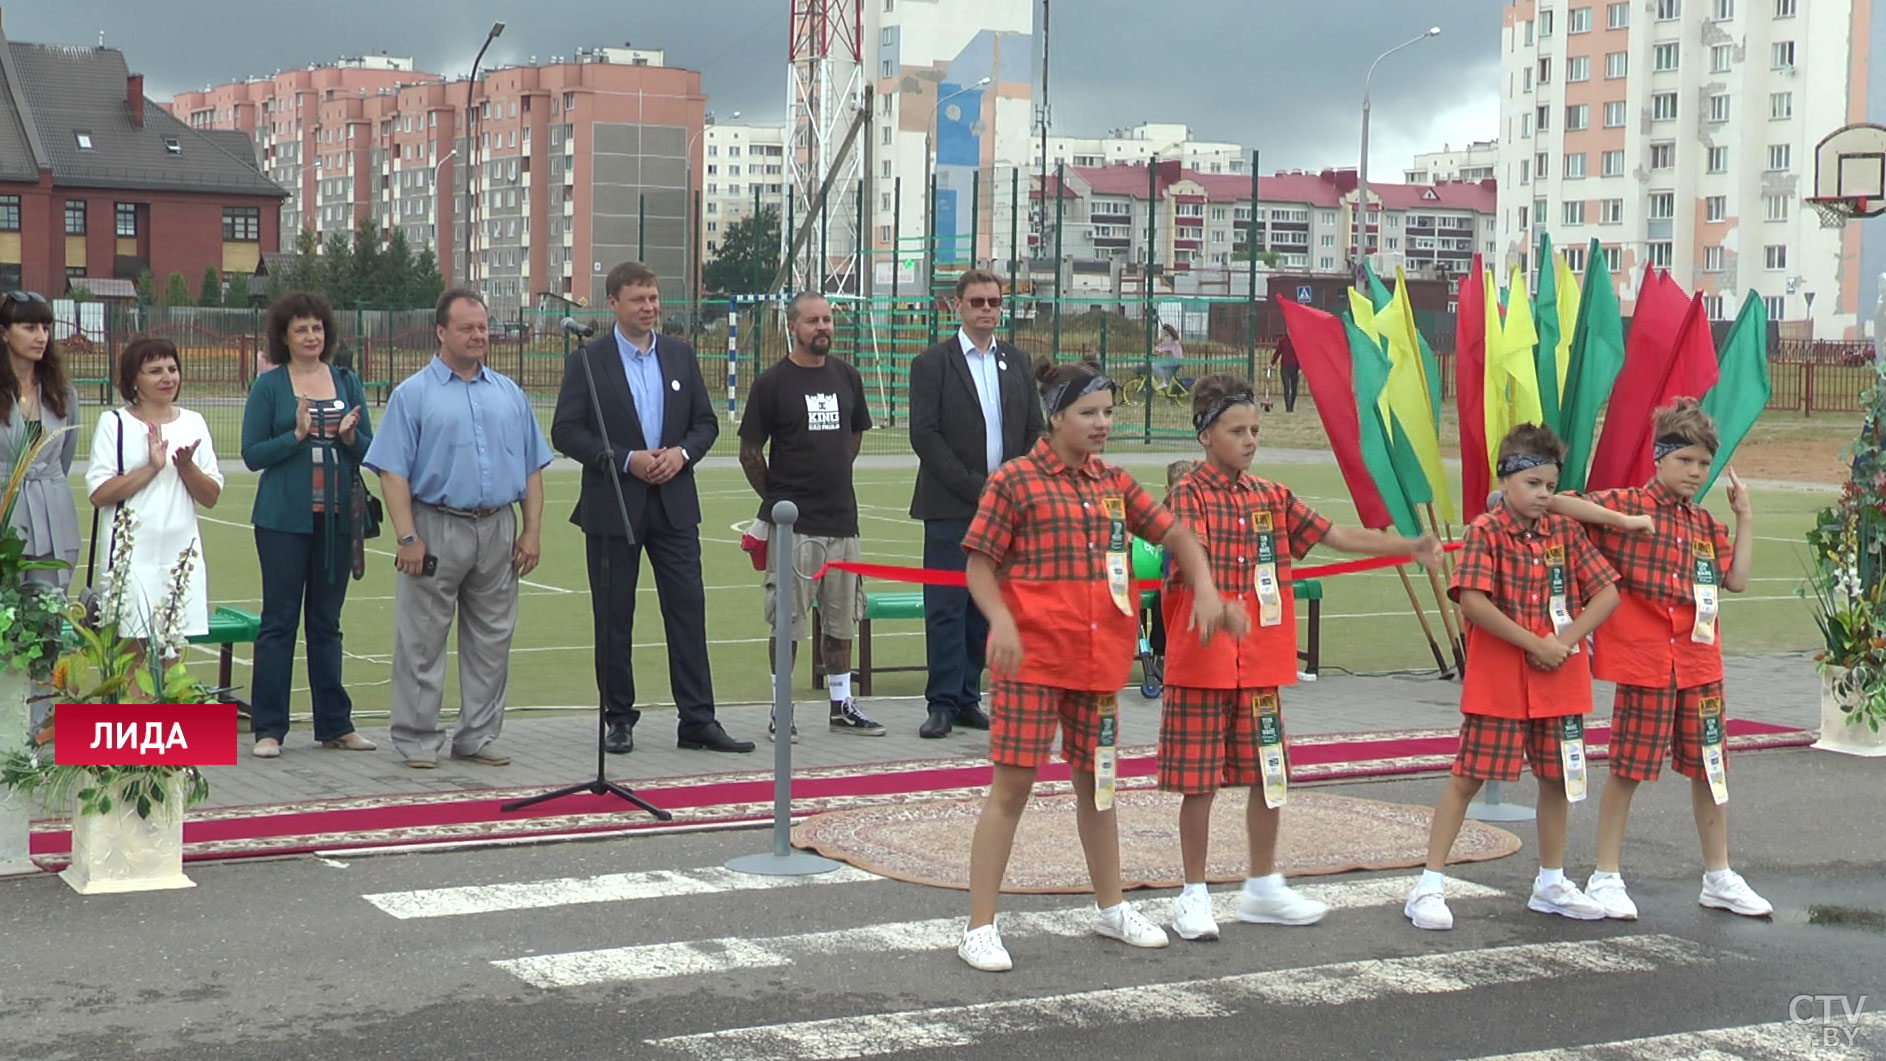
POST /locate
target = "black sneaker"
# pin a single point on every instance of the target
(851, 720)
(772, 731)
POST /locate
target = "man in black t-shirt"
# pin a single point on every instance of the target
(809, 411)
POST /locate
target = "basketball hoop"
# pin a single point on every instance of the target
(1836, 211)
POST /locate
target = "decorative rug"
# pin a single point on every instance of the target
(928, 842)
(732, 798)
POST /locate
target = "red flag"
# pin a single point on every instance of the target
(1470, 358)
(1322, 345)
(1669, 352)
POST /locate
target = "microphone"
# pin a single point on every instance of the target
(571, 326)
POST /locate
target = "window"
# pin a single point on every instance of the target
(1578, 68)
(1784, 8)
(1663, 106)
(1574, 165)
(1663, 155)
(1616, 64)
(1721, 58)
(1660, 253)
(1780, 156)
(1781, 55)
(1716, 208)
(75, 217)
(242, 224)
(1525, 171)
(127, 219)
(1719, 108)
(9, 213)
(1780, 105)
(1525, 126)
(1664, 57)
(1712, 305)
(1577, 118)
(1612, 164)
(1610, 211)
(1669, 9)
(1540, 168)
(173, 146)
(1617, 16)
(1328, 240)
(1542, 120)
(1614, 112)
(1574, 211)
(1661, 206)
(1725, 10)
(1528, 33)
(84, 139)
(1578, 20)
(1776, 304)
(1545, 24)
(1712, 258)
(1538, 211)
(1545, 71)
(1522, 217)
(1775, 256)
(1719, 159)
(1575, 259)
(1775, 207)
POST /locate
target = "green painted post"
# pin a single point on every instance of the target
(975, 215)
(1250, 306)
(1060, 186)
(1152, 257)
(641, 227)
(1014, 226)
(929, 250)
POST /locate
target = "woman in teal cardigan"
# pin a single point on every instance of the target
(305, 428)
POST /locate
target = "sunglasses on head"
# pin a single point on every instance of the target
(984, 303)
(24, 296)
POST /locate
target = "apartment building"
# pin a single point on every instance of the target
(743, 165)
(1475, 162)
(1681, 134)
(1138, 144)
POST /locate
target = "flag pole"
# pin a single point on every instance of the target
(1421, 617)
(1459, 629)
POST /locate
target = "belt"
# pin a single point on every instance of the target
(466, 513)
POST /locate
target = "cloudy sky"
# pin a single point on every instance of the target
(1278, 75)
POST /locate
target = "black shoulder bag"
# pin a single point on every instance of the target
(88, 596)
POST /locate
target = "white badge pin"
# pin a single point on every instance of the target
(1002, 365)
(674, 384)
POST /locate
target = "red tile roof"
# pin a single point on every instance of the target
(1325, 189)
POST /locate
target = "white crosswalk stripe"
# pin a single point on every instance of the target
(1861, 1039)
(940, 935)
(1341, 983)
(607, 888)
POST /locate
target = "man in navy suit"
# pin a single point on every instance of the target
(660, 422)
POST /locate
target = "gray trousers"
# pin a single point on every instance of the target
(475, 579)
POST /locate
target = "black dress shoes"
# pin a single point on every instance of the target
(972, 717)
(937, 725)
(619, 738)
(713, 739)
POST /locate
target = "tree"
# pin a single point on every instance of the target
(748, 257)
(147, 288)
(427, 285)
(237, 297)
(394, 282)
(366, 279)
(80, 293)
(211, 293)
(177, 291)
(336, 274)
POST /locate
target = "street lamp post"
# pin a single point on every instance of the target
(471, 144)
(691, 253)
(443, 159)
(929, 173)
(1362, 171)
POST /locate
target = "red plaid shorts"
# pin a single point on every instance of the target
(1208, 738)
(1023, 718)
(1491, 748)
(1648, 724)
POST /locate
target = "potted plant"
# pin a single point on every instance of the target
(127, 821)
(1847, 580)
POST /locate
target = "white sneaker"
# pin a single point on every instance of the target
(1734, 895)
(1285, 906)
(1608, 892)
(1565, 900)
(772, 730)
(1191, 917)
(982, 949)
(1129, 927)
(1429, 910)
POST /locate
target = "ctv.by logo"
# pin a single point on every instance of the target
(1829, 1020)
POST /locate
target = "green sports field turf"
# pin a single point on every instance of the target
(1367, 624)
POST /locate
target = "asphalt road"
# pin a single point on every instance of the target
(646, 948)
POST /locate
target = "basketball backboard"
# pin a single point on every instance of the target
(1850, 174)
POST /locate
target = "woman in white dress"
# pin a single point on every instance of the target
(155, 459)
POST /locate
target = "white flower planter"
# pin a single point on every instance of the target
(15, 809)
(1839, 731)
(121, 852)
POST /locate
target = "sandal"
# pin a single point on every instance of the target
(267, 748)
(351, 742)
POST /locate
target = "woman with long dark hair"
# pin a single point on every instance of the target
(36, 400)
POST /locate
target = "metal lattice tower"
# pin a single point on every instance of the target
(825, 89)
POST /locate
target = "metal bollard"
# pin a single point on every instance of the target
(1488, 807)
(783, 861)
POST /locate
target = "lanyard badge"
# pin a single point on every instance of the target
(1572, 755)
(1703, 563)
(1715, 767)
(1105, 762)
(1119, 563)
(1556, 604)
(1270, 748)
(1270, 602)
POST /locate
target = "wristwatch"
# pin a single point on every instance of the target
(408, 539)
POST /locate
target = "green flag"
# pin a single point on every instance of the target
(1597, 357)
(1371, 377)
(1380, 297)
(1545, 318)
(1742, 388)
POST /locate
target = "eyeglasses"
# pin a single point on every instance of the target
(984, 303)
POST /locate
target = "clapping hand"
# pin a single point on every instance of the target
(185, 456)
(160, 449)
(347, 425)
(304, 417)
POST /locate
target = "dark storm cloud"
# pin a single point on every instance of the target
(1282, 77)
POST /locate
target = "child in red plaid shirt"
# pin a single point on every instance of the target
(1050, 564)
(1662, 650)
(1222, 723)
(1521, 573)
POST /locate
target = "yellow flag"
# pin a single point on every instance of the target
(1496, 405)
(1518, 342)
(1568, 294)
(1407, 393)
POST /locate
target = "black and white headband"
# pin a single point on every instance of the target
(1665, 446)
(1519, 462)
(1067, 393)
(1244, 396)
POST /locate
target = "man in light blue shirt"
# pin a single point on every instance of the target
(459, 446)
(983, 371)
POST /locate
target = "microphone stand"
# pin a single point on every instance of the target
(601, 785)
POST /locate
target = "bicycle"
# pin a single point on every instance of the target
(1176, 392)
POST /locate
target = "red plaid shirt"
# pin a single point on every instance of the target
(1649, 639)
(1218, 508)
(1045, 526)
(1506, 560)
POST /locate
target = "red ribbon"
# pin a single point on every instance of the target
(925, 576)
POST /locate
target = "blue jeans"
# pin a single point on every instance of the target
(293, 578)
(955, 633)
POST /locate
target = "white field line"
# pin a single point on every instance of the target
(736, 954)
(1778, 1041)
(1319, 986)
(608, 888)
